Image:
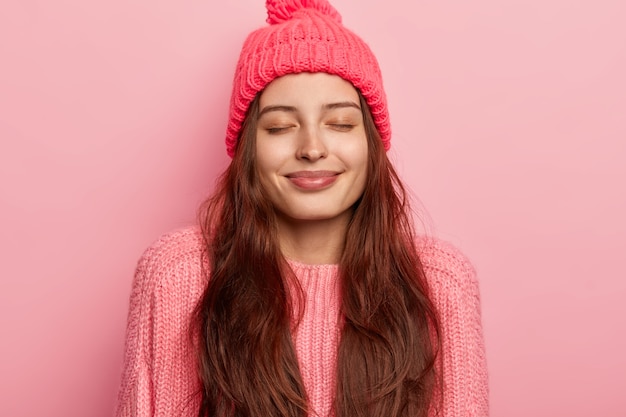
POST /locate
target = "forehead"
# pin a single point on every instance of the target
(308, 89)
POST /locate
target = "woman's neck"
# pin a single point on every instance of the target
(313, 241)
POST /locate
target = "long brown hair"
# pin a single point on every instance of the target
(390, 334)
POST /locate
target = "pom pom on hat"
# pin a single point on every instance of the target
(304, 36)
(279, 11)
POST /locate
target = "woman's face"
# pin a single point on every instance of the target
(311, 148)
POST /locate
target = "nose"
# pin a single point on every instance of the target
(311, 146)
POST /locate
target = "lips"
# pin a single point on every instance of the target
(312, 180)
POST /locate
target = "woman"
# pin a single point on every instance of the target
(304, 290)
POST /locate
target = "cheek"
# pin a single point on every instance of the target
(363, 162)
(271, 152)
(269, 160)
(265, 157)
(357, 156)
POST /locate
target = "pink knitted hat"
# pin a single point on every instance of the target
(304, 36)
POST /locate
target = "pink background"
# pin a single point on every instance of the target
(509, 126)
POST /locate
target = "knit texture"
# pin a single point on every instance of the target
(159, 376)
(305, 36)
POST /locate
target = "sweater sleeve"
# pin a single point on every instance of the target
(136, 395)
(159, 376)
(463, 364)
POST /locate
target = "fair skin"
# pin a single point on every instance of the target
(311, 155)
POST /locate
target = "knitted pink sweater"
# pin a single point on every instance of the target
(159, 376)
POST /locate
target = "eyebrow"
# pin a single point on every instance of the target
(341, 104)
(267, 109)
(292, 109)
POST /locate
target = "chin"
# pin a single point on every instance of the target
(314, 215)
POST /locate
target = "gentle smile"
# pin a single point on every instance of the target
(312, 180)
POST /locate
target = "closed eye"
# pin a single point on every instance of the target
(342, 127)
(277, 130)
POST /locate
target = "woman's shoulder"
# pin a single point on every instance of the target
(175, 258)
(444, 264)
(175, 246)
